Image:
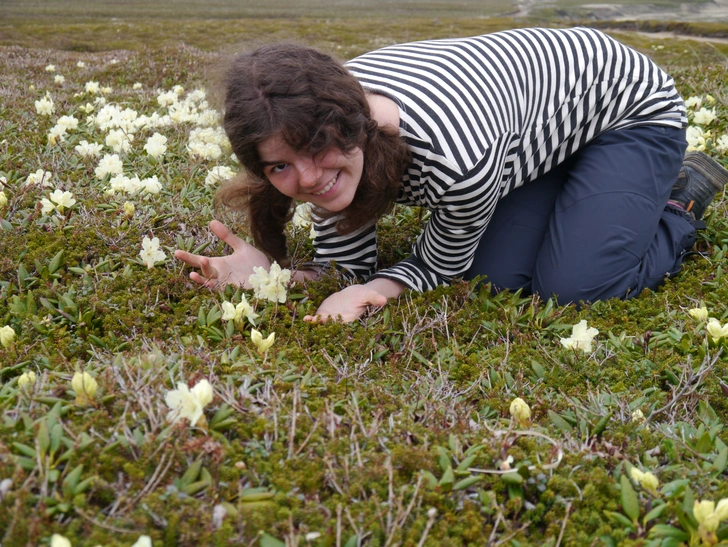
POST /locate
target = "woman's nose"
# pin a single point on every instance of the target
(309, 173)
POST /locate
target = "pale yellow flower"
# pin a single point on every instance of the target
(59, 79)
(701, 314)
(240, 312)
(218, 174)
(85, 387)
(45, 106)
(110, 164)
(646, 480)
(57, 540)
(62, 200)
(143, 541)
(704, 116)
(137, 85)
(92, 87)
(26, 378)
(188, 403)
(7, 336)
(3, 199)
(156, 145)
(270, 285)
(263, 345)
(151, 253)
(581, 337)
(708, 515)
(50, 68)
(716, 330)
(129, 209)
(520, 412)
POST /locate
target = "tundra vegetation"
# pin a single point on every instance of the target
(137, 407)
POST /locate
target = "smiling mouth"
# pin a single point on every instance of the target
(328, 187)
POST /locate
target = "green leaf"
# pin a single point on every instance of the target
(630, 503)
(654, 513)
(559, 422)
(465, 483)
(620, 519)
(666, 531)
(447, 480)
(56, 262)
(704, 444)
(269, 541)
(720, 461)
(512, 478)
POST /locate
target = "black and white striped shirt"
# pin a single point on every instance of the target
(486, 114)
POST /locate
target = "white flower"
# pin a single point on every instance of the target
(240, 312)
(178, 89)
(137, 85)
(143, 541)
(88, 150)
(110, 164)
(69, 122)
(7, 336)
(167, 99)
(312, 535)
(114, 61)
(56, 134)
(151, 185)
(704, 116)
(57, 540)
(271, 285)
(701, 314)
(50, 68)
(715, 330)
(302, 216)
(581, 337)
(188, 403)
(45, 106)
(3, 200)
(263, 345)
(106, 90)
(721, 145)
(695, 137)
(61, 200)
(151, 253)
(81, 64)
(520, 411)
(218, 174)
(119, 140)
(693, 102)
(156, 145)
(40, 177)
(92, 87)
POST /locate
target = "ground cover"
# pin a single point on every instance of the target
(396, 430)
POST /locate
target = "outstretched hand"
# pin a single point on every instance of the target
(349, 304)
(234, 269)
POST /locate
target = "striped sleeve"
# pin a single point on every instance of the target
(487, 114)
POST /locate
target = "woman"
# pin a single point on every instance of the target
(551, 160)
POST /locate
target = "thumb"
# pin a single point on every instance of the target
(378, 300)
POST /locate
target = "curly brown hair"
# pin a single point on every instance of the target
(313, 103)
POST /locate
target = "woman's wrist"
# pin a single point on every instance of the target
(387, 287)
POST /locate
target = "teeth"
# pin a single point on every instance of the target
(327, 187)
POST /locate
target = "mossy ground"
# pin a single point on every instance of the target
(352, 432)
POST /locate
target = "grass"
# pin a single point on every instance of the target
(392, 431)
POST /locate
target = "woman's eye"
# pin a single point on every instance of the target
(278, 168)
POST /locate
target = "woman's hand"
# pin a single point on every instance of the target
(353, 301)
(350, 303)
(234, 269)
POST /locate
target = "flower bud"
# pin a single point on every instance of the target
(701, 314)
(85, 387)
(3, 200)
(703, 509)
(262, 345)
(521, 412)
(7, 336)
(26, 378)
(129, 209)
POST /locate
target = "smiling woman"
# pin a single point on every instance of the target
(551, 161)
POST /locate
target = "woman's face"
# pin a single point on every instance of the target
(328, 180)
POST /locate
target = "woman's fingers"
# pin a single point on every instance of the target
(224, 233)
(188, 258)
